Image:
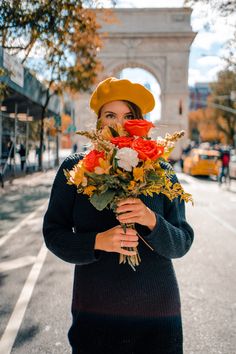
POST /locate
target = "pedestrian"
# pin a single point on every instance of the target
(22, 153)
(116, 310)
(224, 168)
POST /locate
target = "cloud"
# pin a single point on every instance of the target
(205, 40)
(209, 60)
(212, 73)
(211, 27)
(207, 74)
(195, 75)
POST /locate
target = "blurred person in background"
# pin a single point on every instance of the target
(224, 168)
(22, 153)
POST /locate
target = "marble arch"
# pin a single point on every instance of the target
(157, 40)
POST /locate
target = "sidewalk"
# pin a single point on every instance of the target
(32, 178)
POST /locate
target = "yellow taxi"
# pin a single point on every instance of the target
(202, 162)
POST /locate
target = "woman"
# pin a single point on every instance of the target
(117, 310)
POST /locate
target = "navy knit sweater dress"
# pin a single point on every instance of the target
(117, 310)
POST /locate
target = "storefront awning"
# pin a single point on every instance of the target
(25, 94)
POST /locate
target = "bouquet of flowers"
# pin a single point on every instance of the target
(125, 162)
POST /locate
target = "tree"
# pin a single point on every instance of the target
(221, 94)
(226, 7)
(203, 122)
(64, 36)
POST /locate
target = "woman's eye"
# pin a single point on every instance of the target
(110, 116)
(129, 116)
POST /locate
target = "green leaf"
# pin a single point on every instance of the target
(152, 176)
(100, 201)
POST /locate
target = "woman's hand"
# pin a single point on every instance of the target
(113, 240)
(133, 210)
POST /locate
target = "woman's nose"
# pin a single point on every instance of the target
(120, 120)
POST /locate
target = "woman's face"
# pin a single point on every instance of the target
(115, 112)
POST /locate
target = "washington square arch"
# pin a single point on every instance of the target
(157, 40)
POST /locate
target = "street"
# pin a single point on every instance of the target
(36, 287)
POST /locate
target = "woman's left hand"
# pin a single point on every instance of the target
(133, 210)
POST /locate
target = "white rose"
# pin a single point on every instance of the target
(127, 158)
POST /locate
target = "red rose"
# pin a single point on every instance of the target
(147, 149)
(91, 160)
(122, 141)
(138, 127)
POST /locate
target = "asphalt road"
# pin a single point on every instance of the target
(36, 286)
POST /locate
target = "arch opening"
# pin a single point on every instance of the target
(146, 78)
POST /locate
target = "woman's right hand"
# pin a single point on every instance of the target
(113, 240)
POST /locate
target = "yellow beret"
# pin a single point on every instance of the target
(113, 89)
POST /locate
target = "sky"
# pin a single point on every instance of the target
(206, 50)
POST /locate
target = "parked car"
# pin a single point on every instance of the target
(202, 162)
(232, 167)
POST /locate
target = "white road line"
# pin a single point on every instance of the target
(15, 229)
(221, 221)
(16, 263)
(13, 326)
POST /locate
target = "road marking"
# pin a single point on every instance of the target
(13, 326)
(15, 229)
(16, 263)
(220, 221)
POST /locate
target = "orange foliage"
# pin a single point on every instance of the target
(204, 121)
(66, 120)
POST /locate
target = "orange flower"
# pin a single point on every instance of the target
(138, 127)
(91, 160)
(122, 141)
(147, 149)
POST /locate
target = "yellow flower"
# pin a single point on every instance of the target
(131, 185)
(120, 130)
(167, 153)
(138, 173)
(103, 168)
(89, 190)
(148, 165)
(106, 133)
(77, 175)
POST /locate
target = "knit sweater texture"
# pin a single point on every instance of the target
(117, 310)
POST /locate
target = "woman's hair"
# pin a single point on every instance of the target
(133, 108)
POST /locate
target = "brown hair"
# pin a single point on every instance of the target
(135, 110)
